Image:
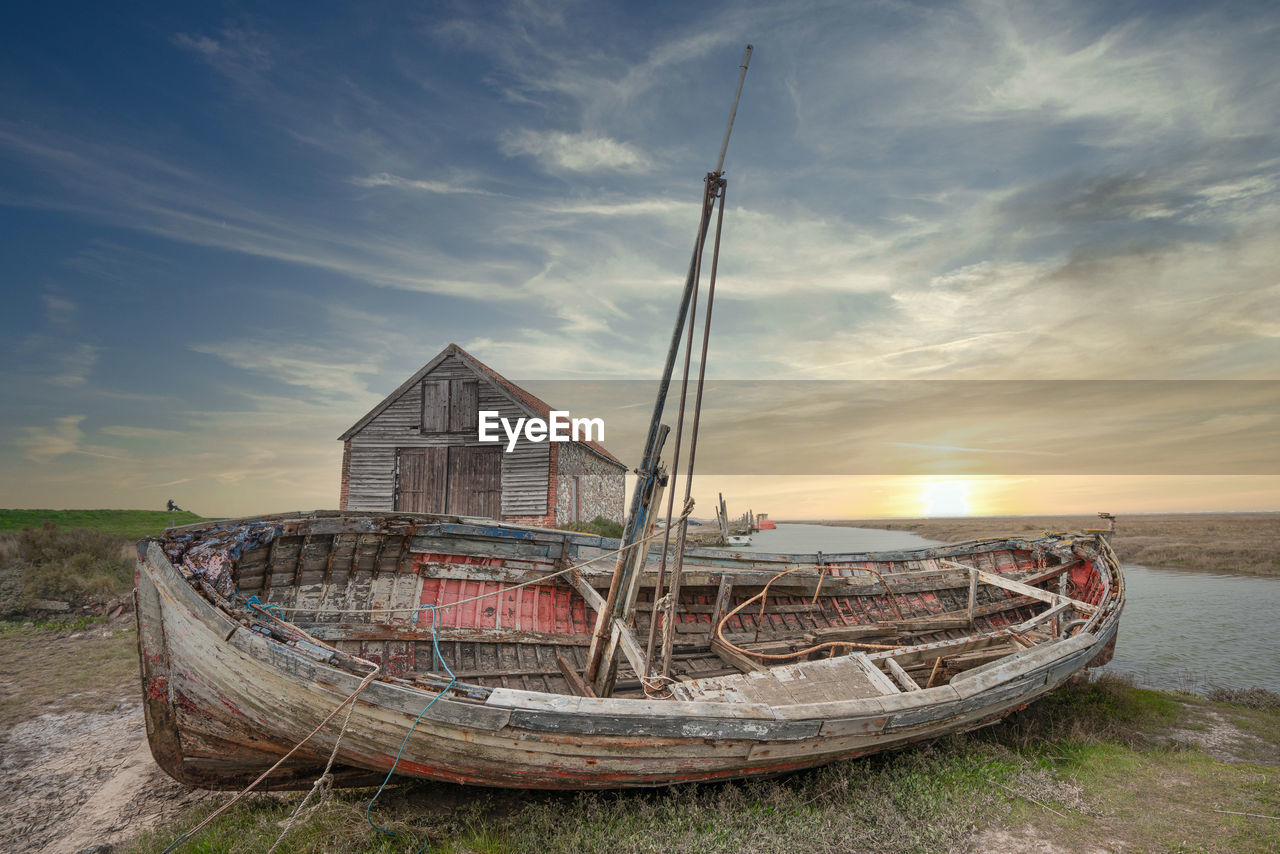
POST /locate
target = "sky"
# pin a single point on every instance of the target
(1048, 229)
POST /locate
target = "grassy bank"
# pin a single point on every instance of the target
(130, 524)
(74, 557)
(1102, 765)
(1247, 543)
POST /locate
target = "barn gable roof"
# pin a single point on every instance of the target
(532, 404)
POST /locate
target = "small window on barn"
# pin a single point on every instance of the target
(464, 405)
(450, 406)
(435, 406)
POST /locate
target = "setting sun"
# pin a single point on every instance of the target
(945, 498)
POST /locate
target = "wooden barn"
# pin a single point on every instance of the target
(419, 451)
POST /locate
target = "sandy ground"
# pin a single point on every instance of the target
(78, 775)
(80, 782)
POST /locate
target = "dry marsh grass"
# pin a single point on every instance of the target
(67, 565)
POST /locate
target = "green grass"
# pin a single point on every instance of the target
(599, 526)
(922, 800)
(134, 524)
(1108, 708)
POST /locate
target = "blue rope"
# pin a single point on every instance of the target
(436, 659)
(253, 602)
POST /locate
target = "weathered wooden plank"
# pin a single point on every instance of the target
(873, 673)
(370, 632)
(724, 595)
(745, 663)
(573, 677)
(435, 406)
(1028, 590)
(1042, 617)
(900, 675)
(851, 633)
(626, 640)
(973, 594)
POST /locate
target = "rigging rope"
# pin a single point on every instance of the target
(716, 191)
(322, 787)
(177, 843)
(436, 658)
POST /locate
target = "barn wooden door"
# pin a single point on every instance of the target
(421, 480)
(475, 482)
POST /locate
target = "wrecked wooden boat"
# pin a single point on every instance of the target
(252, 631)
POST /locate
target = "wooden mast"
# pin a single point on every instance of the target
(651, 477)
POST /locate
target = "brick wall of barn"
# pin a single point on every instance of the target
(601, 486)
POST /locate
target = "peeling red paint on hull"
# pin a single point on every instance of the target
(225, 697)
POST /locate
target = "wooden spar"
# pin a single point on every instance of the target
(973, 592)
(900, 675)
(635, 548)
(1025, 589)
(642, 509)
(675, 460)
(733, 111)
(571, 675)
(716, 186)
(620, 633)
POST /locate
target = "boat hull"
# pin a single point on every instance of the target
(224, 701)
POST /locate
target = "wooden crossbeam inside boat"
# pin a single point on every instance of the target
(621, 635)
(1025, 589)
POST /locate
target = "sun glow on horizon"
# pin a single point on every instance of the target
(946, 497)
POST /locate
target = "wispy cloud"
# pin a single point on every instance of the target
(558, 151)
(59, 311)
(125, 431)
(63, 437)
(317, 369)
(74, 364)
(41, 445)
(958, 449)
(234, 50)
(965, 190)
(445, 188)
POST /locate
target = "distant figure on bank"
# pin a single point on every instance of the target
(173, 507)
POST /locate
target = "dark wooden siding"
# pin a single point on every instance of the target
(371, 485)
(435, 406)
(464, 404)
(475, 481)
(420, 484)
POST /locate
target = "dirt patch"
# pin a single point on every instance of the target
(82, 780)
(1028, 839)
(78, 773)
(1222, 739)
(68, 666)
